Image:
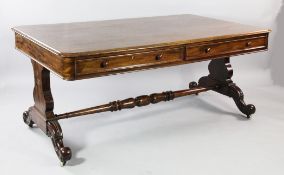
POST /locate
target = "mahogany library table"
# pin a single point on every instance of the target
(82, 50)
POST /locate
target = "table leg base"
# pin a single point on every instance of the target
(55, 133)
(42, 110)
(52, 129)
(33, 118)
(219, 80)
(42, 116)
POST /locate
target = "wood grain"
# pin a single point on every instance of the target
(223, 48)
(92, 49)
(63, 67)
(89, 38)
(129, 103)
(42, 111)
(128, 61)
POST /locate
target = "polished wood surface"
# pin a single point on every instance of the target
(63, 67)
(42, 110)
(91, 49)
(220, 80)
(223, 48)
(88, 38)
(129, 103)
(128, 62)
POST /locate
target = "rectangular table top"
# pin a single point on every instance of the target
(87, 38)
(99, 48)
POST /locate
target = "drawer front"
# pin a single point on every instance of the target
(127, 62)
(225, 48)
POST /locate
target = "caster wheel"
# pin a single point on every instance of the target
(27, 119)
(62, 164)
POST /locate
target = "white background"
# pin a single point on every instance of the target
(192, 135)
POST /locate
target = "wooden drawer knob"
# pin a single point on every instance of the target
(159, 57)
(248, 44)
(104, 64)
(207, 50)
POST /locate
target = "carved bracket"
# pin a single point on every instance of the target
(219, 80)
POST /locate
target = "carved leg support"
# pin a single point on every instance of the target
(55, 133)
(219, 80)
(41, 114)
(43, 110)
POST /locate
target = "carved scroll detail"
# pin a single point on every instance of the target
(42, 110)
(56, 135)
(219, 80)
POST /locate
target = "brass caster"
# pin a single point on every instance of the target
(62, 164)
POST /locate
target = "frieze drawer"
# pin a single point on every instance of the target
(129, 61)
(227, 48)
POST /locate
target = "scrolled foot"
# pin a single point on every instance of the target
(27, 119)
(251, 110)
(219, 80)
(54, 131)
(238, 96)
